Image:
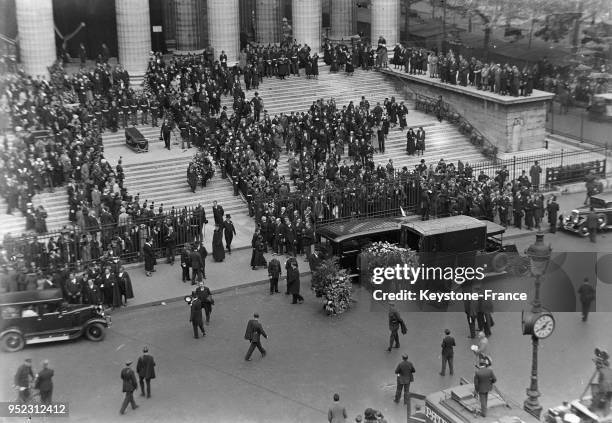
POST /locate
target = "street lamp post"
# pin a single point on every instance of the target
(539, 257)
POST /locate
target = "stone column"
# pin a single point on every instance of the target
(268, 18)
(133, 35)
(224, 28)
(36, 35)
(341, 18)
(187, 25)
(307, 18)
(169, 17)
(385, 22)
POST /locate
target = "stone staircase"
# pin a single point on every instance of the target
(162, 176)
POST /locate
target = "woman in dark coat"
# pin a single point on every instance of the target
(257, 258)
(410, 142)
(149, 257)
(315, 66)
(217, 244)
(293, 281)
(125, 285)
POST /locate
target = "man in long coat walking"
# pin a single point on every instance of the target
(196, 317)
(129, 386)
(146, 371)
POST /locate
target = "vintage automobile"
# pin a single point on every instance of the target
(454, 241)
(34, 317)
(576, 220)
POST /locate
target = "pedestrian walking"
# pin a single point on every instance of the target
(149, 257)
(23, 377)
(293, 281)
(129, 386)
(404, 372)
(592, 223)
(196, 317)
(483, 384)
(395, 323)
(274, 272)
(552, 208)
(586, 292)
(253, 334)
(197, 264)
(205, 296)
(337, 413)
(146, 371)
(44, 383)
(448, 344)
(229, 231)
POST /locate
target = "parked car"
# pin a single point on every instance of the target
(34, 317)
(576, 221)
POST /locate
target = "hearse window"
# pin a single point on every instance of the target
(11, 312)
(49, 308)
(29, 311)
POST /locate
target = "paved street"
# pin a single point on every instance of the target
(310, 357)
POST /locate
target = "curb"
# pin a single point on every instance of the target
(213, 291)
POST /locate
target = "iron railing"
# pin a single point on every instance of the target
(76, 245)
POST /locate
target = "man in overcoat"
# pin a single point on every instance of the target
(146, 371)
(129, 386)
(253, 334)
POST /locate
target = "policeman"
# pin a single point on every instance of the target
(144, 108)
(154, 111)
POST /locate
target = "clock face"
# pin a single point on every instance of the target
(544, 326)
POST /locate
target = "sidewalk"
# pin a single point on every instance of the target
(232, 274)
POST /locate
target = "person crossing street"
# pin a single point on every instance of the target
(253, 334)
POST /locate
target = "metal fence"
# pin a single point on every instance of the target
(372, 200)
(76, 246)
(558, 167)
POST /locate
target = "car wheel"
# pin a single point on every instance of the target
(12, 341)
(95, 332)
(602, 221)
(584, 231)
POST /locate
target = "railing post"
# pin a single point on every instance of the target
(513, 168)
(581, 126)
(561, 157)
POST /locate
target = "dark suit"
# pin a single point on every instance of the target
(149, 257)
(146, 371)
(196, 317)
(166, 130)
(205, 297)
(404, 372)
(447, 353)
(45, 385)
(197, 266)
(395, 321)
(229, 231)
(483, 383)
(253, 334)
(274, 271)
(129, 386)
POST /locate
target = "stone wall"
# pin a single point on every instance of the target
(510, 123)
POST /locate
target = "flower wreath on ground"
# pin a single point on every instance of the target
(332, 283)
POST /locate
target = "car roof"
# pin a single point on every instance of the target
(445, 224)
(349, 229)
(605, 197)
(31, 297)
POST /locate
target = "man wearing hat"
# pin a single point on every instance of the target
(395, 323)
(129, 386)
(404, 372)
(483, 383)
(253, 334)
(229, 231)
(22, 380)
(44, 383)
(146, 371)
